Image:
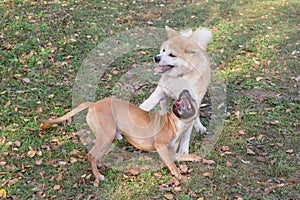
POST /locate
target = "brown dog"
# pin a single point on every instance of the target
(145, 130)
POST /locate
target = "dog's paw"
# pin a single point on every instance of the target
(118, 136)
(99, 178)
(196, 158)
(200, 129)
(96, 183)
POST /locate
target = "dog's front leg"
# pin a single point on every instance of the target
(188, 157)
(185, 141)
(168, 158)
(153, 100)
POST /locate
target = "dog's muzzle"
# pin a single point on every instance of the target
(157, 59)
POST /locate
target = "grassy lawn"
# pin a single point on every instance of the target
(254, 52)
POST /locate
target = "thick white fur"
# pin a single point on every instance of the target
(191, 71)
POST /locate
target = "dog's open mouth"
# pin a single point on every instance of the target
(183, 103)
(163, 68)
(184, 106)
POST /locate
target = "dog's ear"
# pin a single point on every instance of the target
(191, 48)
(202, 36)
(186, 33)
(171, 32)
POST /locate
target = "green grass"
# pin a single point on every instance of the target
(255, 51)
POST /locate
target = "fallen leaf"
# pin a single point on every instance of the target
(39, 110)
(31, 153)
(56, 187)
(73, 160)
(245, 161)
(39, 162)
(26, 80)
(2, 194)
(269, 190)
(261, 136)
(226, 153)
(241, 132)
(149, 23)
(42, 174)
(134, 172)
(259, 78)
(251, 138)
(60, 177)
(175, 182)
(74, 152)
(292, 181)
(250, 152)
(18, 143)
(144, 167)
(289, 151)
(157, 175)
(279, 144)
(40, 153)
(2, 163)
(207, 174)
(209, 162)
(275, 122)
(183, 168)
(13, 181)
(7, 103)
(222, 148)
(273, 161)
(62, 162)
(177, 189)
(260, 159)
(115, 72)
(191, 193)
(229, 164)
(297, 79)
(169, 196)
(282, 179)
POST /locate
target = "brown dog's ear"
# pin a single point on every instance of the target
(171, 32)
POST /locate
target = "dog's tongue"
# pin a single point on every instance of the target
(158, 69)
(177, 104)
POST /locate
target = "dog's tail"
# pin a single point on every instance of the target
(202, 36)
(45, 124)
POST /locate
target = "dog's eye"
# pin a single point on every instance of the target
(172, 55)
(163, 50)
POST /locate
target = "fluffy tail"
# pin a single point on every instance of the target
(45, 124)
(202, 36)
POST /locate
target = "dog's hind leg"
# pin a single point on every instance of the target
(96, 153)
(104, 131)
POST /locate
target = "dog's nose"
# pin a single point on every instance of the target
(157, 59)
